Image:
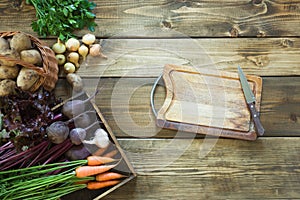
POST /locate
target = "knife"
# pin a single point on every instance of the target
(250, 99)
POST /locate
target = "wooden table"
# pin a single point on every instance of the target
(139, 37)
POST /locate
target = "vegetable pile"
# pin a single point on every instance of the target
(18, 47)
(73, 52)
(61, 17)
(51, 148)
(38, 120)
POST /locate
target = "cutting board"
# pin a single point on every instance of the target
(206, 101)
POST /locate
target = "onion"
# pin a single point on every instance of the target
(69, 67)
(59, 47)
(72, 44)
(73, 57)
(88, 39)
(61, 59)
(95, 50)
(83, 51)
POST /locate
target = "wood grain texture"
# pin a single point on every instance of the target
(147, 57)
(230, 18)
(233, 169)
(125, 103)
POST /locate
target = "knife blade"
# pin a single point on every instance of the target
(250, 99)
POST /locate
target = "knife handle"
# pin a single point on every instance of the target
(255, 116)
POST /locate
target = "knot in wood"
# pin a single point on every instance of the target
(293, 117)
(261, 34)
(257, 2)
(17, 4)
(259, 60)
(234, 32)
(166, 24)
(287, 43)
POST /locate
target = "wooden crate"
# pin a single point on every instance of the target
(124, 166)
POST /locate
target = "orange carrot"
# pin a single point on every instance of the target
(98, 160)
(94, 185)
(100, 151)
(84, 171)
(111, 154)
(106, 176)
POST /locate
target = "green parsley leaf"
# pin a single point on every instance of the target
(62, 17)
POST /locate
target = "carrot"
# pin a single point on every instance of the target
(100, 151)
(106, 176)
(95, 185)
(84, 171)
(98, 160)
(111, 154)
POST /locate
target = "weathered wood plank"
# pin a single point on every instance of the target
(125, 103)
(209, 18)
(147, 57)
(231, 169)
(265, 169)
(228, 18)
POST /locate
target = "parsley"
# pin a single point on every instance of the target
(61, 17)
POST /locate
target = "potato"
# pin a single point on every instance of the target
(11, 54)
(32, 56)
(75, 81)
(20, 42)
(4, 45)
(8, 72)
(26, 78)
(7, 86)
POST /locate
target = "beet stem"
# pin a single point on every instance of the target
(7, 145)
(33, 162)
(61, 151)
(8, 154)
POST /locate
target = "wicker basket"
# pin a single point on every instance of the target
(48, 72)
